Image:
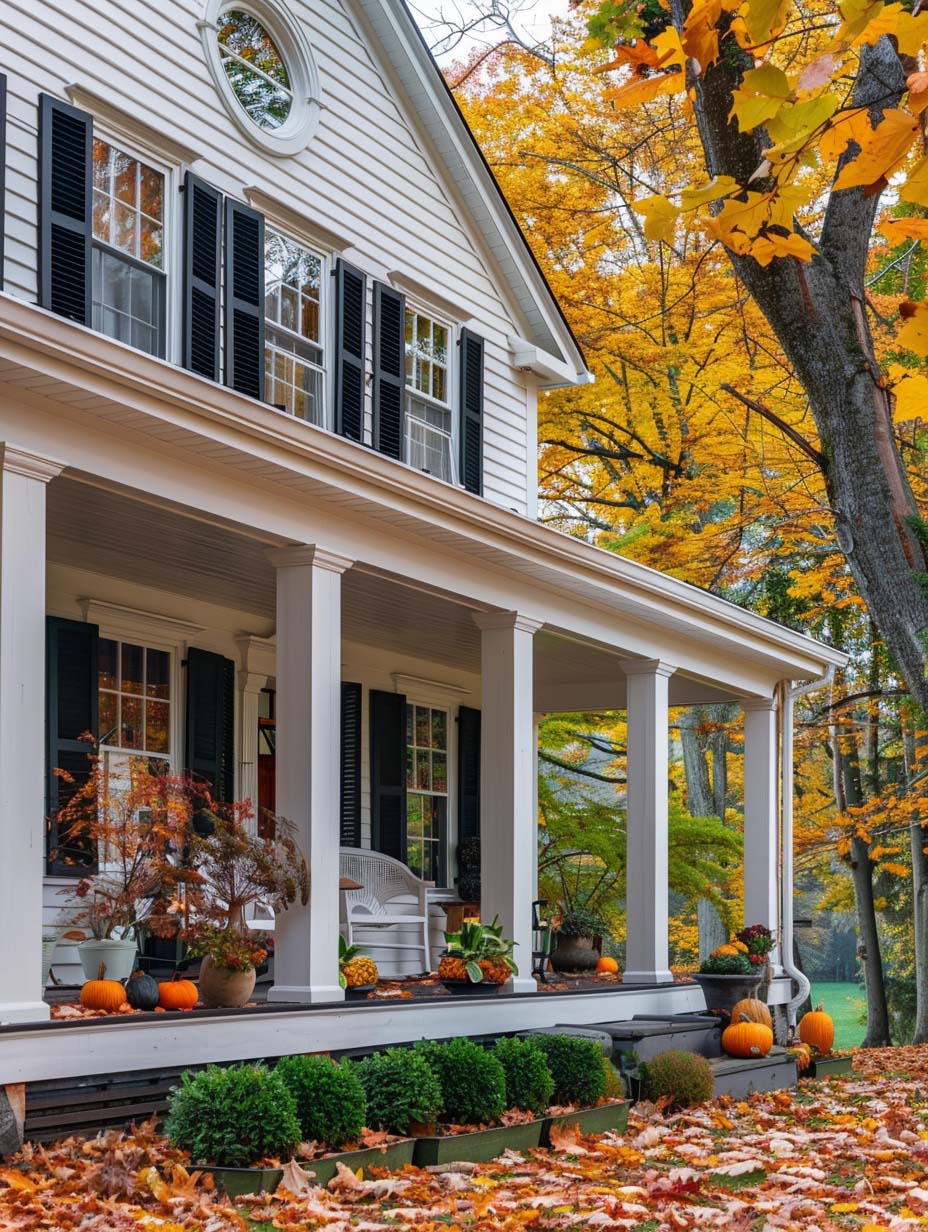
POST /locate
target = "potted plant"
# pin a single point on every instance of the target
(478, 959)
(576, 930)
(357, 973)
(234, 868)
(734, 971)
(135, 822)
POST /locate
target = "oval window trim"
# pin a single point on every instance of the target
(303, 119)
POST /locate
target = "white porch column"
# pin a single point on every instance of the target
(537, 719)
(647, 904)
(308, 704)
(250, 685)
(22, 729)
(761, 819)
(508, 852)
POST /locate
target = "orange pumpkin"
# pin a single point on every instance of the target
(607, 966)
(177, 994)
(747, 1039)
(752, 1010)
(101, 994)
(818, 1029)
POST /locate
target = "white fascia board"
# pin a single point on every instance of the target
(552, 372)
(421, 78)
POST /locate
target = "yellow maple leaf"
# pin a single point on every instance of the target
(911, 393)
(719, 186)
(643, 89)
(700, 38)
(882, 150)
(798, 121)
(914, 334)
(660, 216)
(897, 229)
(762, 93)
(765, 18)
(857, 16)
(909, 32)
(916, 186)
(766, 247)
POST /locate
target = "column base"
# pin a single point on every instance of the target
(647, 977)
(522, 983)
(305, 994)
(24, 1011)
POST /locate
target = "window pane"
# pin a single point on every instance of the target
(159, 669)
(410, 770)
(439, 772)
(107, 663)
(102, 214)
(439, 729)
(157, 727)
(131, 731)
(423, 727)
(108, 719)
(423, 774)
(101, 165)
(125, 172)
(151, 192)
(133, 659)
(410, 716)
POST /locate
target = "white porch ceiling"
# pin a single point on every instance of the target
(110, 533)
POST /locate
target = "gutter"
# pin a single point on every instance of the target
(788, 698)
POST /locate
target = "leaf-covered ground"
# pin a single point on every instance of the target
(847, 1155)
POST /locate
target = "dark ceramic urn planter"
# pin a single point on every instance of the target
(574, 955)
(723, 992)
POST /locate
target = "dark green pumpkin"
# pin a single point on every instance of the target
(142, 991)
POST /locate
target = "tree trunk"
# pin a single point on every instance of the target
(817, 312)
(918, 838)
(700, 801)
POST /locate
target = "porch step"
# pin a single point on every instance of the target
(646, 1037)
(739, 1077)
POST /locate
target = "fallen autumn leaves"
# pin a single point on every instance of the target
(849, 1154)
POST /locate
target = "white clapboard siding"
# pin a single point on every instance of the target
(368, 174)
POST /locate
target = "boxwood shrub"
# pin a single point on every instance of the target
(529, 1084)
(684, 1077)
(576, 1066)
(233, 1116)
(330, 1102)
(400, 1088)
(471, 1080)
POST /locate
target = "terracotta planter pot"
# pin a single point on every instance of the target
(221, 988)
(574, 954)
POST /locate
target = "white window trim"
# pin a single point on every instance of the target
(302, 122)
(171, 269)
(445, 882)
(326, 336)
(422, 308)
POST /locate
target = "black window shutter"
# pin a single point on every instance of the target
(244, 321)
(202, 251)
(388, 773)
(350, 826)
(468, 773)
(70, 713)
(350, 335)
(471, 411)
(65, 213)
(210, 744)
(2, 171)
(389, 369)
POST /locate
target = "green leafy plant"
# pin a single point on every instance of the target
(529, 1084)
(615, 1083)
(472, 1081)
(330, 1102)
(682, 1077)
(233, 1116)
(727, 964)
(581, 922)
(478, 952)
(576, 1066)
(401, 1088)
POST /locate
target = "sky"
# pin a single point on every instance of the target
(531, 18)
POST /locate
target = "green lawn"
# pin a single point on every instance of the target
(846, 1004)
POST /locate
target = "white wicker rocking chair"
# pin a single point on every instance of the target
(384, 879)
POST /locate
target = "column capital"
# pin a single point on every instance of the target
(754, 704)
(309, 554)
(506, 620)
(32, 465)
(647, 667)
(251, 682)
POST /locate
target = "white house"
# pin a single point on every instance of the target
(271, 345)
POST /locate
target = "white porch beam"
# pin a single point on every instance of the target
(647, 951)
(308, 704)
(23, 479)
(508, 842)
(761, 819)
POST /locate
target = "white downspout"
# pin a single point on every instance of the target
(786, 820)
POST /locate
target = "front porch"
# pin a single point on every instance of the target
(447, 626)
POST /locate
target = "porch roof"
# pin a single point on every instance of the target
(238, 465)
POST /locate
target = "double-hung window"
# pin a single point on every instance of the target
(428, 396)
(135, 701)
(426, 790)
(128, 277)
(294, 357)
